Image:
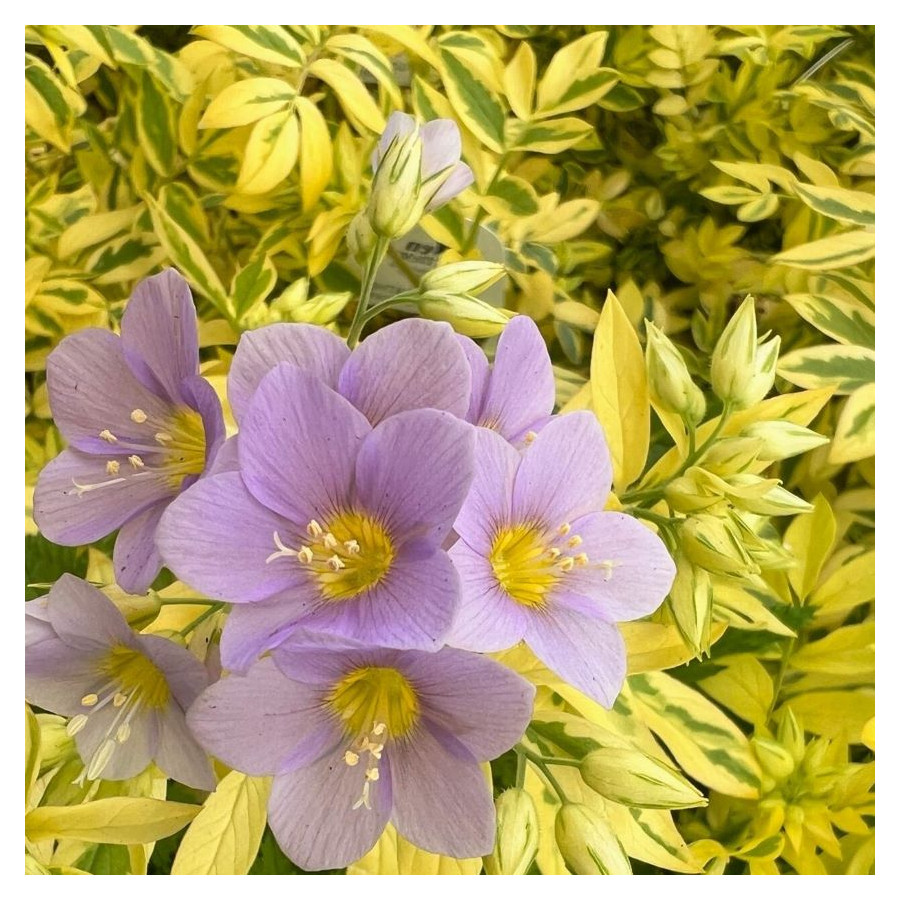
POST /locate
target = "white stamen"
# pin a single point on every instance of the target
(305, 555)
(575, 540)
(351, 546)
(529, 438)
(112, 467)
(119, 699)
(581, 559)
(314, 529)
(567, 564)
(351, 758)
(139, 416)
(136, 461)
(86, 488)
(372, 774)
(554, 552)
(608, 565)
(108, 436)
(89, 700)
(336, 563)
(330, 541)
(162, 437)
(76, 723)
(565, 528)
(100, 759)
(123, 733)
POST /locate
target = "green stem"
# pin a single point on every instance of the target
(368, 282)
(480, 215)
(385, 305)
(779, 676)
(191, 626)
(187, 601)
(544, 769)
(560, 761)
(520, 768)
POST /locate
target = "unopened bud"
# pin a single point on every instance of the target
(138, 609)
(361, 239)
(790, 735)
(671, 385)
(587, 843)
(691, 602)
(781, 439)
(465, 277)
(517, 834)
(760, 496)
(635, 779)
(686, 494)
(731, 455)
(743, 369)
(714, 543)
(56, 744)
(775, 760)
(468, 315)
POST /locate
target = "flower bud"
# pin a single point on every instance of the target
(671, 386)
(743, 369)
(361, 239)
(691, 602)
(56, 744)
(781, 439)
(790, 735)
(760, 496)
(775, 760)
(635, 779)
(465, 277)
(468, 315)
(417, 169)
(587, 843)
(730, 455)
(687, 495)
(517, 834)
(137, 609)
(714, 543)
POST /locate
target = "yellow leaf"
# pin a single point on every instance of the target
(114, 820)
(89, 231)
(224, 837)
(810, 539)
(356, 101)
(270, 43)
(32, 751)
(652, 646)
(854, 435)
(841, 715)
(620, 391)
(851, 584)
(316, 161)
(272, 151)
(837, 251)
(574, 63)
(409, 38)
(393, 855)
(247, 101)
(518, 80)
(744, 687)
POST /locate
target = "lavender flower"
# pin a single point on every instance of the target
(539, 560)
(126, 693)
(417, 169)
(141, 425)
(411, 364)
(329, 522)
(357, 737)
(514, 397)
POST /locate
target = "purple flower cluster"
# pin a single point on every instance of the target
(382, 519)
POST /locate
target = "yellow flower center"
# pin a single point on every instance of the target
(184, 444)
(348, 556)
(375, 698)
(133, 674)
(529, 561)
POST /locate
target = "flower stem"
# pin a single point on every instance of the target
(542, 767)
(368, 282)
(479, 216)
(191, 626)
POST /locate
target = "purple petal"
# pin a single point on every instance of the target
(413, 471)
(298, 446)
(412, 364)
(314, 350)
(480, 370)
(159, 334)
(57, 676)
(253, 628)
(217, 538)
(77, 501)
(482, 703)
(441, 146)
(136, 560)
(630, 571)
(488, 619)
(399, 124)
(442, 802)
(129, 758)
(586, 652)
(200, 395)
(458, 180)
(179, 755)
(312, 817)
(412, 607)
(565, 473)
(92, 390)
(37, 622)
(321, 659)
(521, 391)
(227, 458)
(185, 674)
(255, 721)
(84, 618)
(487, 505)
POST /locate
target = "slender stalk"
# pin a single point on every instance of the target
(372, 265)
(520, 768)
(544, 769)
(479, 216)
(187, 601)
(191, 626)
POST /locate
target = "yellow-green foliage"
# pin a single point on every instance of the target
(635, 172)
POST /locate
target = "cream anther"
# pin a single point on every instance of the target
(565, 528)
(567, 564)
(554, 552)
(379, 728)
(372, 774)
(305, 555)
(608, 565)
(112, 467)
(575, 540)
(330, 541)
(139, 416)
(108, 436)
(123, 733)
(119, 699)
(89, 700)
(76, 723)
(529, 438)
(351, 546)
(136, 461)
(336, 563)
(351, 758)
(162, 438)
(314, 529)
(581, 559)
